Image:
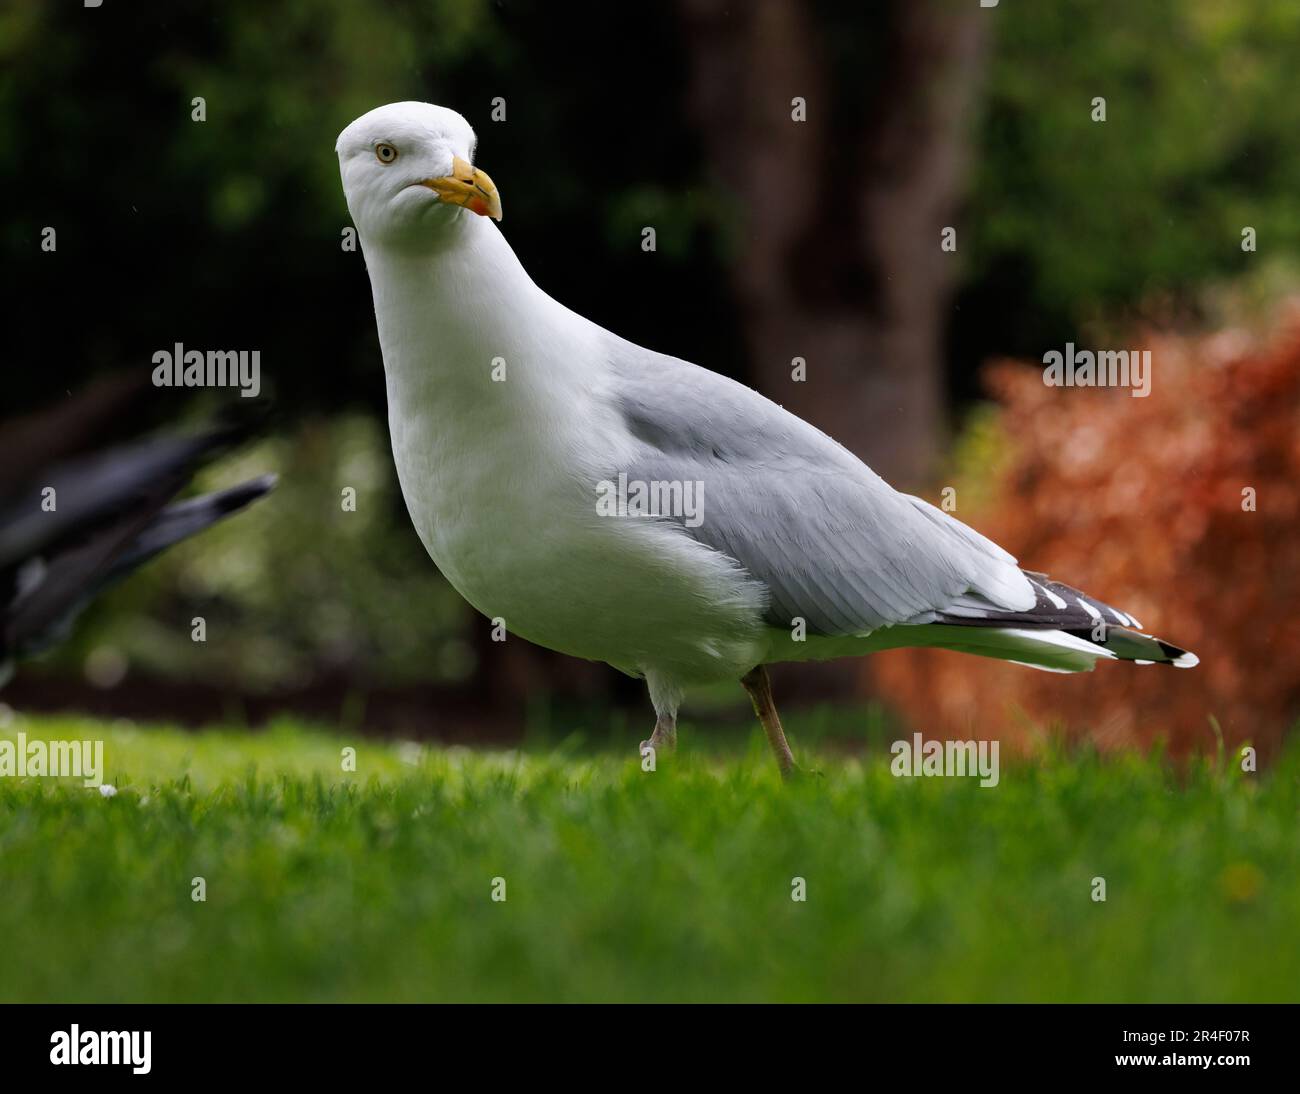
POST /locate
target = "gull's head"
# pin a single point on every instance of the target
(408, 174)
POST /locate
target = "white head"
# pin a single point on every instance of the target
(407, 174)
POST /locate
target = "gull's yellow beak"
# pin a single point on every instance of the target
(467, 186)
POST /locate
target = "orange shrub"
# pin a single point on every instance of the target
(1141, 502)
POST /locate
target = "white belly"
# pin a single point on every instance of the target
(514, 527)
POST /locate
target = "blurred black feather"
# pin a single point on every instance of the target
(75, 519)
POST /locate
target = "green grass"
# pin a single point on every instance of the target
(323, 885)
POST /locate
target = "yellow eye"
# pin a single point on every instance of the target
(385, 153)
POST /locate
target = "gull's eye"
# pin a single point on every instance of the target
(385, 153)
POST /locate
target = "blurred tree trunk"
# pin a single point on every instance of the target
(840, 260)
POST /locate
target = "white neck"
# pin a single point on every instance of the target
(453, 321)
(458, 433)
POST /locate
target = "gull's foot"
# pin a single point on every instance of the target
(664, 738)
(662, 742)
(797, 774)
(662, 747)
(650, 754)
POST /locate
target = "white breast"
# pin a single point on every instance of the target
(499, 476)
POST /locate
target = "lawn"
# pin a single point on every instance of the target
(325, 884)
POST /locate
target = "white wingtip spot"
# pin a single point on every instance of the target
(1187, 661)
(1092, 612)
(1057, 602)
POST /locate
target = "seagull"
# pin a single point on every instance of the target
(620, 505)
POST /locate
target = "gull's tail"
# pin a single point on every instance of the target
(1065, 631)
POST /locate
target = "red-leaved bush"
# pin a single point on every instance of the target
(1181, 508)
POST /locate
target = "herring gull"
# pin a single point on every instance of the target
(621, 505)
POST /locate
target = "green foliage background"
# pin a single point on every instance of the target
(227, 232)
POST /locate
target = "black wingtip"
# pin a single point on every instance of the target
(1178, 657)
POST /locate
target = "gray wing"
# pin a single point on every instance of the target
(833, 542)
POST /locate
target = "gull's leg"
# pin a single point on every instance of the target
(665, 696)
(760, 694)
